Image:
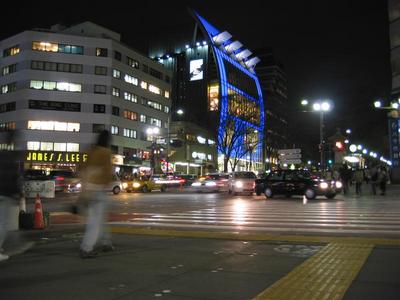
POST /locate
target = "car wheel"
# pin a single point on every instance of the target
(116, 190)
(268, 193)
(163, 188)
(310, 194)
(145, 189)
(330, 196)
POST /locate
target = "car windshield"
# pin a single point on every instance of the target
(250, 175)
(302, 174)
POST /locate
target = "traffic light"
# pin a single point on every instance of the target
(339, 146)
(329, 161)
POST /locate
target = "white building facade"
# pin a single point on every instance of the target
(60, 87)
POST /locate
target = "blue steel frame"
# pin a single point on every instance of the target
(220, 57)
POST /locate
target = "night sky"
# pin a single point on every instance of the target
(337, 50)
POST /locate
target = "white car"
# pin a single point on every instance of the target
(216, 182)
(115, 186)
(242, 182)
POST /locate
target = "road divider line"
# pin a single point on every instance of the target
(255, 237)
(326, 275)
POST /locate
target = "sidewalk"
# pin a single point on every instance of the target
(149, 267)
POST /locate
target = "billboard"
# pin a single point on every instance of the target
(196, 69)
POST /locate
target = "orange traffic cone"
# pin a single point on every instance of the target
(38, 222)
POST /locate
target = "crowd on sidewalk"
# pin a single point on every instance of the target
(377, 177)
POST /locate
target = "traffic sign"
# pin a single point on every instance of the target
(291, 161)
(289, 156)
(288, 151)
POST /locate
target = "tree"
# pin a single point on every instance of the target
(236, 141)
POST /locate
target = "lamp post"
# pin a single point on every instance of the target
(321, 107)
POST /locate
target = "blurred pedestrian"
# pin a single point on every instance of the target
(97, 174)
(374, 172)
(382, 178)
(358, 177)
(345, 176)
(10, 191)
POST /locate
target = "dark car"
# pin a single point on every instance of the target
(296, 182)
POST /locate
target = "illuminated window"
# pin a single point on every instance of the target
(132, 63)
(45, 46)
(72, 147)
(73, 127)
(62, 147)
(102, 52)
(155, 122)
(166, 94)
(131, 115)
(213, 97)
(114, 130)
(70, 87)
(154, 105)
(115, 91)
(166, 109)
(46, 146)
(49, 85)
(143, 118)
(9, 69)
(117, 74)
(130, 97)
(8, 126)
(8, 88)
(31, 145)
(60, 126)
(131, 79)
(130, 133)
(14, 50)
(143, 85)
(154, 89)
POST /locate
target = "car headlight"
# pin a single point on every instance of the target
(124, 185)
(136, 185)
(78, 186)
(196, 184)
(323, 185)
(211, 183)
(338, 184)
(239, 184)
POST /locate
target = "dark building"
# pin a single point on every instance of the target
(216, 87)
(273, 81)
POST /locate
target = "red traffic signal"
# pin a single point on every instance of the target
(339, 146)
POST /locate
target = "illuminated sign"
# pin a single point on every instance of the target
(56, 157)
(196, 69)
(213, 97)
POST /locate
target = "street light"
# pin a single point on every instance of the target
(348, 130)
(321, 107)
(180, 111)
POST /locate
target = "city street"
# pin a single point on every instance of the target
(366, 215)
(183, 245)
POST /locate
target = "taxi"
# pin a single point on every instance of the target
(143, 184)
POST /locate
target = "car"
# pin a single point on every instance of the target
(143, 184)
(297, 182)
(186, 179)
(63, 179)
(241, 182)
(115, 186)
(215, 182)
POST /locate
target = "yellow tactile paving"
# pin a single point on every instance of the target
(326, 275)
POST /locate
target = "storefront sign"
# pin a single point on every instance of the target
(117, 159)
(56, 157)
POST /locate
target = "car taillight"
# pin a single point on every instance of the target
(59, 178)
(254, 185)
(182, 180)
